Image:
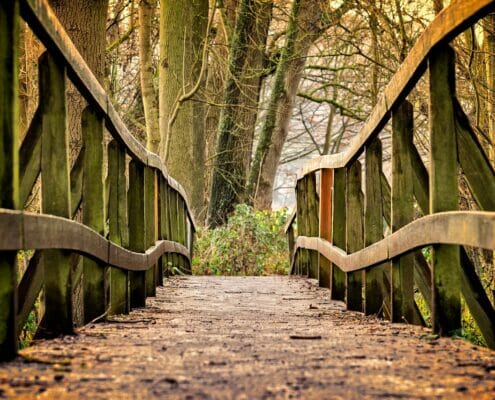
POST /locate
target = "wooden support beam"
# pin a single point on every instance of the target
(444, 196)
(149, 223)
(354, 235)
(376, 291)
(164, 222)
(325, 228)
(158, 235)
(339, 218)
(9, 168)
(93, 207)
(312, 223)
(55, 194)
(301, 225)
(137, 233)
(117, 226)
(402, 211)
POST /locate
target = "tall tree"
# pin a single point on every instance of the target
(148, 92)
(183, 35)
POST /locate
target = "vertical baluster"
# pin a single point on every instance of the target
(164, 221)
(9, 168)
(303, 256)
(149, 222)
(137, 230)
(325, 228)
(402, 211)
(312, 223)
(93, 207)
(180, 230)
(158, 235)
(55, 193)
(117, 221)
(299, 213)
(339, 231)
(444, 194)
(174, 258)
(375, 287)
(354, 234)
(291, 243)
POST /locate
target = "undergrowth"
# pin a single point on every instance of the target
(251, 243)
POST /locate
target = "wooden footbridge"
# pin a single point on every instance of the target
(203, 337)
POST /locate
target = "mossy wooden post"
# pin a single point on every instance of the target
(137, 230)
(149, 222)
(117, 226)
(291, 242)
(172, 202)
(9, 169)
(93, 210)
(444, 196)
(354, 235)
(181, 231)
(312, 223)
(164, 222)
(339, 231)
(300, 229)
(158, 266)
(402, 208)
(325, 227)
(55, 193)
(375, 288)
(302, 224)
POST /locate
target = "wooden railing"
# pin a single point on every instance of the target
(129, 237)
(339, 235)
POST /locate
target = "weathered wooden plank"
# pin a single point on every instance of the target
(300, 228)
(29, 289)
(158, 235)
(325, 228)
(312, 223)
(444, 196)
(164, 221)
(149, 225)
(375, 289)
(9, 168)
(30, 158)
(55, 193)
(474, 162)
(402, 211)
(339, 231)
(354, 235)
(93, 207)
(137, 233)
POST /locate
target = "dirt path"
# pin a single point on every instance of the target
(249, 338)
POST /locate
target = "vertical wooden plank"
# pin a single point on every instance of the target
(55, 193)
(137, 230)
(174, 258)
(375, 288)
(93, 208)
(158, 266)
(149, 223)
(325, 228)
(402, 208)
(291, 242)
(117, 226)
(164, 221)
(444, 196)
(312, 223)
(9, 168)
(300, 228)
(302, 225)
(354, 235)
(339, 231)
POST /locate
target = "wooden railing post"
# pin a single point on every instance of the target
(312, 223)
(375, 287)
(339, 218)
(164, 222)
(354, 234)
(325, 228)
(137, 229)
(302, 256)
(117, 226)
(402, 208)
(158, 267)
(9, 169)
(93, 210)
(55, 193)
(149, 223)
(173, 212)
(444, 194)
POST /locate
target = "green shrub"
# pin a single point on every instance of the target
(251, 243)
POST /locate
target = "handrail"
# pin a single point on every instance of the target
(442, 228)
(21, 230)
(451, 21)
(45, 25)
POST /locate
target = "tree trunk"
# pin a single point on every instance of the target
(229, 168)
(182, 36)
(148, 92)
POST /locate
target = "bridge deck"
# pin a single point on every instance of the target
(253, 337)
